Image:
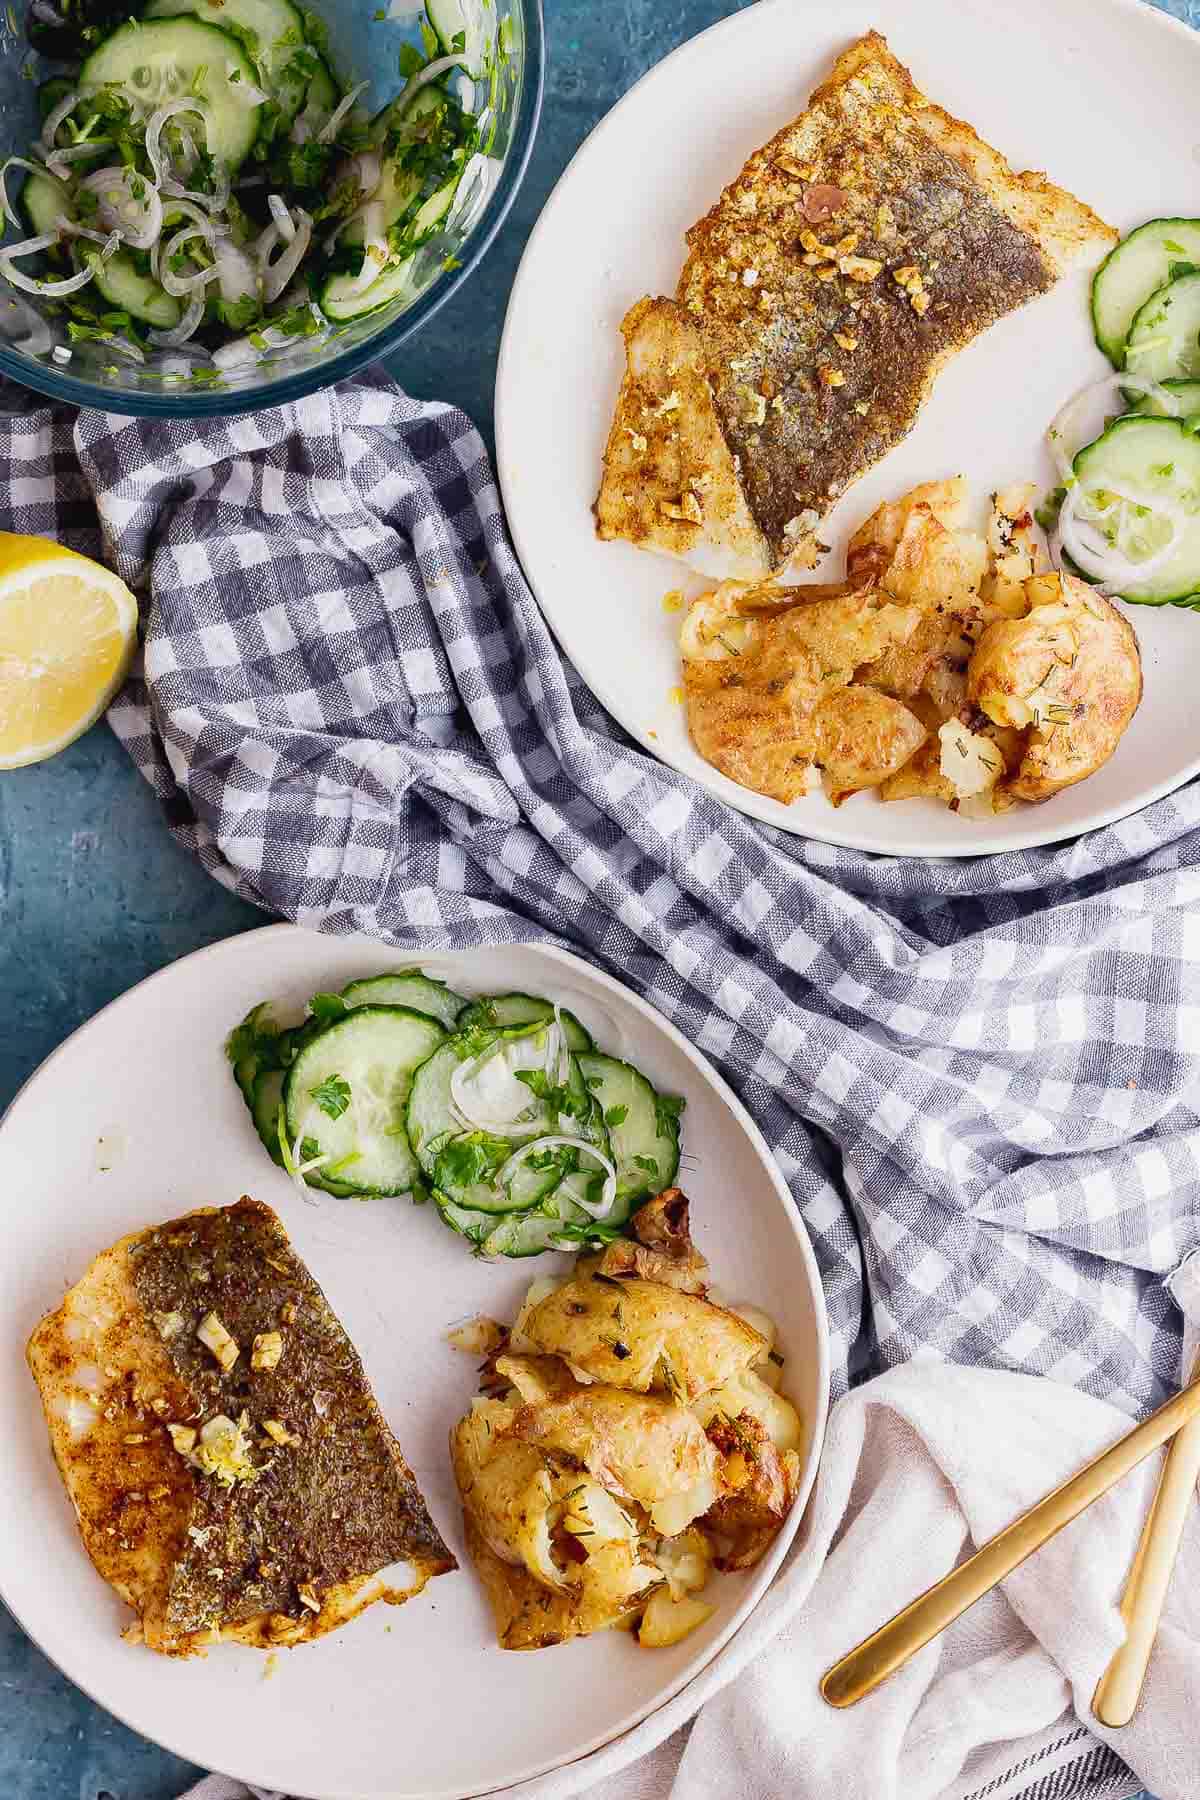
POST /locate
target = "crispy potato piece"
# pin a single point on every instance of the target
(668, 1621)
(1070, 672)
(864, 736)
(760, 1486)
(643, 1335)
(529, 1616)
(664, 1250)
(635, 1444)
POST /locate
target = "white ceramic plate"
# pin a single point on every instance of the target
(135, 1119)
(1100, 93)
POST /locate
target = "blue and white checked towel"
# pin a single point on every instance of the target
(980, 1078)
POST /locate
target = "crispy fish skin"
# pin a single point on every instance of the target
(852, 256)
(275, 1560)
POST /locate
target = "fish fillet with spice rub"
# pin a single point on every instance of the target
(854, 254)
(232, 1475)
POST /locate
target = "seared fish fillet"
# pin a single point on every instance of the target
(854, 254)
(279, 1521)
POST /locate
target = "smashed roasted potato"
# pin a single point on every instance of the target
(945, 665)
(630, 1437)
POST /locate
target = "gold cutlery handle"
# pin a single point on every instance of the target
(921, 1621)
(1120, 1687)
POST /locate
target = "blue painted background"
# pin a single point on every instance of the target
(94, 895)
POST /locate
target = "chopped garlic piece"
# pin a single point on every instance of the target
(214, 1337)
(267, 1350)
(184, 1438)
(168, 1324)
(224, 1451)
(308, 1596)
(278, 1432)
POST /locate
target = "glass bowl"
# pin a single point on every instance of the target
(366, 38)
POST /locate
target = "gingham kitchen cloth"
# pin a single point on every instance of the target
(979, 1078)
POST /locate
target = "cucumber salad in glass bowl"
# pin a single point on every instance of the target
(502, 1110)
(225, 195)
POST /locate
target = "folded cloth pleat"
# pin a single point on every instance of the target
(978, 1076)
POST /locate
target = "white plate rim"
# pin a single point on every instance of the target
(766, 1571)
(827, 831)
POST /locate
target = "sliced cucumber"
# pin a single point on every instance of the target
(341, 300)
(173, 56)
(1149, 457)
(123, 285)
(45, 203)
(410, 108)
(408, 987)
(430, 215)
(461, 25)
(1186, 393)
(264, 1110)
(642, 1130)
(375, 1051)
(395, 194)
(116, 277)
(507, 1010)
(1164, 338)
(474, 1226)
(323, 91)
(521, 1234)
(1140, 264)
(270, 31)
(432, 1119)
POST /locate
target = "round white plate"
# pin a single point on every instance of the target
(1099, 93)
(136, 1119)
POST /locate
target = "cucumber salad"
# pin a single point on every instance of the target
(501, 1110)
(206, 180)
(1127, 449)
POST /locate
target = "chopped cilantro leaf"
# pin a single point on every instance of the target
(332, 1095)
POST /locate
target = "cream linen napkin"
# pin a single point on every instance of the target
(919, 1465)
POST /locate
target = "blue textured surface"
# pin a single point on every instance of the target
(94, 895)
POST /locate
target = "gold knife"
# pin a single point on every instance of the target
(921, 1621)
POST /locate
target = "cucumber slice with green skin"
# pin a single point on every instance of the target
(274, 34)
(642, 1125)
(45, 203)
(169, 55)
(117, 276)
(460, 24)
(125, 287)
(1164, 338)
(1129, 274)
(1185, 391)
(264, 1110)
(507, 1010)
(340, 300)
(408, 988)
(375, 1051)
(408, 106)
(253, 1045)
(432, 1119)
(323, 91)
(474, 1226)
(521, 1234)
(1148, 457)
(429, 216)
(397, 190)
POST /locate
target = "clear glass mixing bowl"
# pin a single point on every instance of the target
(364, 46)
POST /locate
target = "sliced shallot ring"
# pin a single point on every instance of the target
(183, 284)
(30, 284)
(188, 325)
(609, 1195)
(276, 275)
(1112, 569)
(140, 232)
(31, 168)
(170, 109)
(1060, 425)
(329, 130)
(57, 114)
(282, 217)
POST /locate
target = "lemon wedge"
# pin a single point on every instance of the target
(67, 632)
